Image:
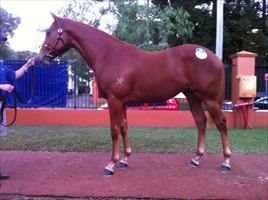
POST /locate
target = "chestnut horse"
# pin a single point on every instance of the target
(125, 73)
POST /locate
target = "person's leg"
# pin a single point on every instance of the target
(3, 129)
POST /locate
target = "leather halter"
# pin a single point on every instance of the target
(52, 52)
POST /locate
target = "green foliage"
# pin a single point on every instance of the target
(150, 27)
(8, 24)
(6, 53)
(241, 17)
(84, 11)
(25, 55)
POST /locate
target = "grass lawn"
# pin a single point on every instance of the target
(143, 139)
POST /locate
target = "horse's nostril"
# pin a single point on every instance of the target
(38, 60)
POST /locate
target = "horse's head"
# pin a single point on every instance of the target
(56, 42)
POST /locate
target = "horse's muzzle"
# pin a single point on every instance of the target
(42, 60)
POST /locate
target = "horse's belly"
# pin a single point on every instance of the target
(153, 94)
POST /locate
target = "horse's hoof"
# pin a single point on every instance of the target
(107, 173)
(224, 168)
(193, 163)
(122, 165)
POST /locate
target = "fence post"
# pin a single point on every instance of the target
(75, 85)
(243, 64)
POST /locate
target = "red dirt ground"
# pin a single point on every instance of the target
(149, 176)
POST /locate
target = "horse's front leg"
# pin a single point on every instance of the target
(123, 164)
(116, 110)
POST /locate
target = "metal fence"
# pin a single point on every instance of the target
(42, 86)
(260, 71)
(78, 92)
(228, 79)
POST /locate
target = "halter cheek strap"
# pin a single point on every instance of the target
(52, 52)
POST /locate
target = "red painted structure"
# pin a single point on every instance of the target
(164, 118)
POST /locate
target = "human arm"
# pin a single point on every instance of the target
(6, 87)
(20, 72)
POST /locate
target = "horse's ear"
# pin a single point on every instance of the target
(56, 18)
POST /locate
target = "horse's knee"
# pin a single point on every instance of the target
(123, 130)
(223, 124)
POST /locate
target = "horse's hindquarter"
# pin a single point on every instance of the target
(204, 72)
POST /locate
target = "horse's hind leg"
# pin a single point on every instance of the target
(214, 109)
(200, 118)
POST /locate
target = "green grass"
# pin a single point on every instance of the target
(143, 139)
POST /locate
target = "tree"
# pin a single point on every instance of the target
(7, 26)
(25, 55)
(150, 27)
(146, 26)
(241, 17)
(244, 27)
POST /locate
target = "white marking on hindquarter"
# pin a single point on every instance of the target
(119, 81)
(201, 53)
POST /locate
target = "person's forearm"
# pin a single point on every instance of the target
(20, 72)
(6, 87)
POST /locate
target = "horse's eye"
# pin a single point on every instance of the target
(48, 33)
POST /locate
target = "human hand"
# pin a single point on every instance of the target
(29, 63)
(7, 87)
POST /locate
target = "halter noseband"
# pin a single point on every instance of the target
(52, 52)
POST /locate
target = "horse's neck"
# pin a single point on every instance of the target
(93, 44)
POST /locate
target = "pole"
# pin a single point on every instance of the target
(266, 81)
(219, 28)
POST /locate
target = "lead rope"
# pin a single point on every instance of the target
(16, 96)
(3, 108)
